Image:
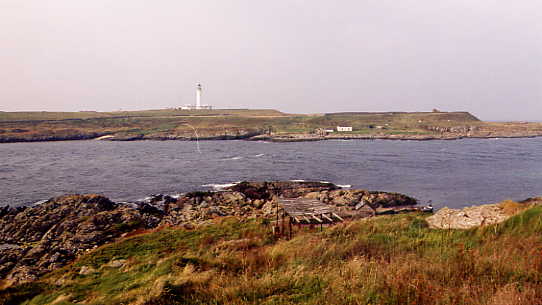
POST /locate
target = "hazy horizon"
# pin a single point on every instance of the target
(294, 56)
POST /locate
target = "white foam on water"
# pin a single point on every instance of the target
(219, 187)
(40, 202)
(344, 186)
(298, 180)
(259, 155)
(233, 158)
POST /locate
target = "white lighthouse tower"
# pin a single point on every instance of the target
(198, 96)
(198, 105)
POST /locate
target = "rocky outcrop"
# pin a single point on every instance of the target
(287, 189)
(245, 199)
(39, 239)
(36, 240)
(259, 199)
(360, 198)
(476, 216)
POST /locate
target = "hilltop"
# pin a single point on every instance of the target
(269, 125)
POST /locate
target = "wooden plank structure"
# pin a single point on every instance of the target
(309, 211)
(301, 211)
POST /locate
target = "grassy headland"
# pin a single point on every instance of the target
(393, 259)
(244, 124)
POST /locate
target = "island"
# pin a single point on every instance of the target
(258, 125)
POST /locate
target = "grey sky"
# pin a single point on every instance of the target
(296, 56)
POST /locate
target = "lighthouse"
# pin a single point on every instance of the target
(198, 96)
(198, 105)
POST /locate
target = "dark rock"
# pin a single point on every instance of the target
(287, 189)
(50, 235)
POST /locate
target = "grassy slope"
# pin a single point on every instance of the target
(45, 115)
(165, 123)
(394, 122)
(385, 260)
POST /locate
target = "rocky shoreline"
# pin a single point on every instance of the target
(267, 138)
(39, 239)
(387, 137)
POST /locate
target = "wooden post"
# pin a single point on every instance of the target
(282, 224)
(277, 213)
(290, 226)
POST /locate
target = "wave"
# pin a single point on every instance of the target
(233, 158)
(40, 202)
(219, 187)
(344, 186)
(259, 155)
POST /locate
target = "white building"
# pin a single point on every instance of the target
(195, 107)
(344, 128)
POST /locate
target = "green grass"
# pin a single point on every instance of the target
(84, 115)
(394, 259)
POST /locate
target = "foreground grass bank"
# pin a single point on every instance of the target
(385, 260)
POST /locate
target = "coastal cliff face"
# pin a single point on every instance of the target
(36, 240)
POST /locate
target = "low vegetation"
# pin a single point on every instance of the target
(394, 259)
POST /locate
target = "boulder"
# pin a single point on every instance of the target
(475, 216)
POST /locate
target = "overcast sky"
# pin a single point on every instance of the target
(300, 56)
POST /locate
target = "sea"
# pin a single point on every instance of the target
(452, 173)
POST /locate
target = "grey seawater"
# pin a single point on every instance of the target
(450, 173)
